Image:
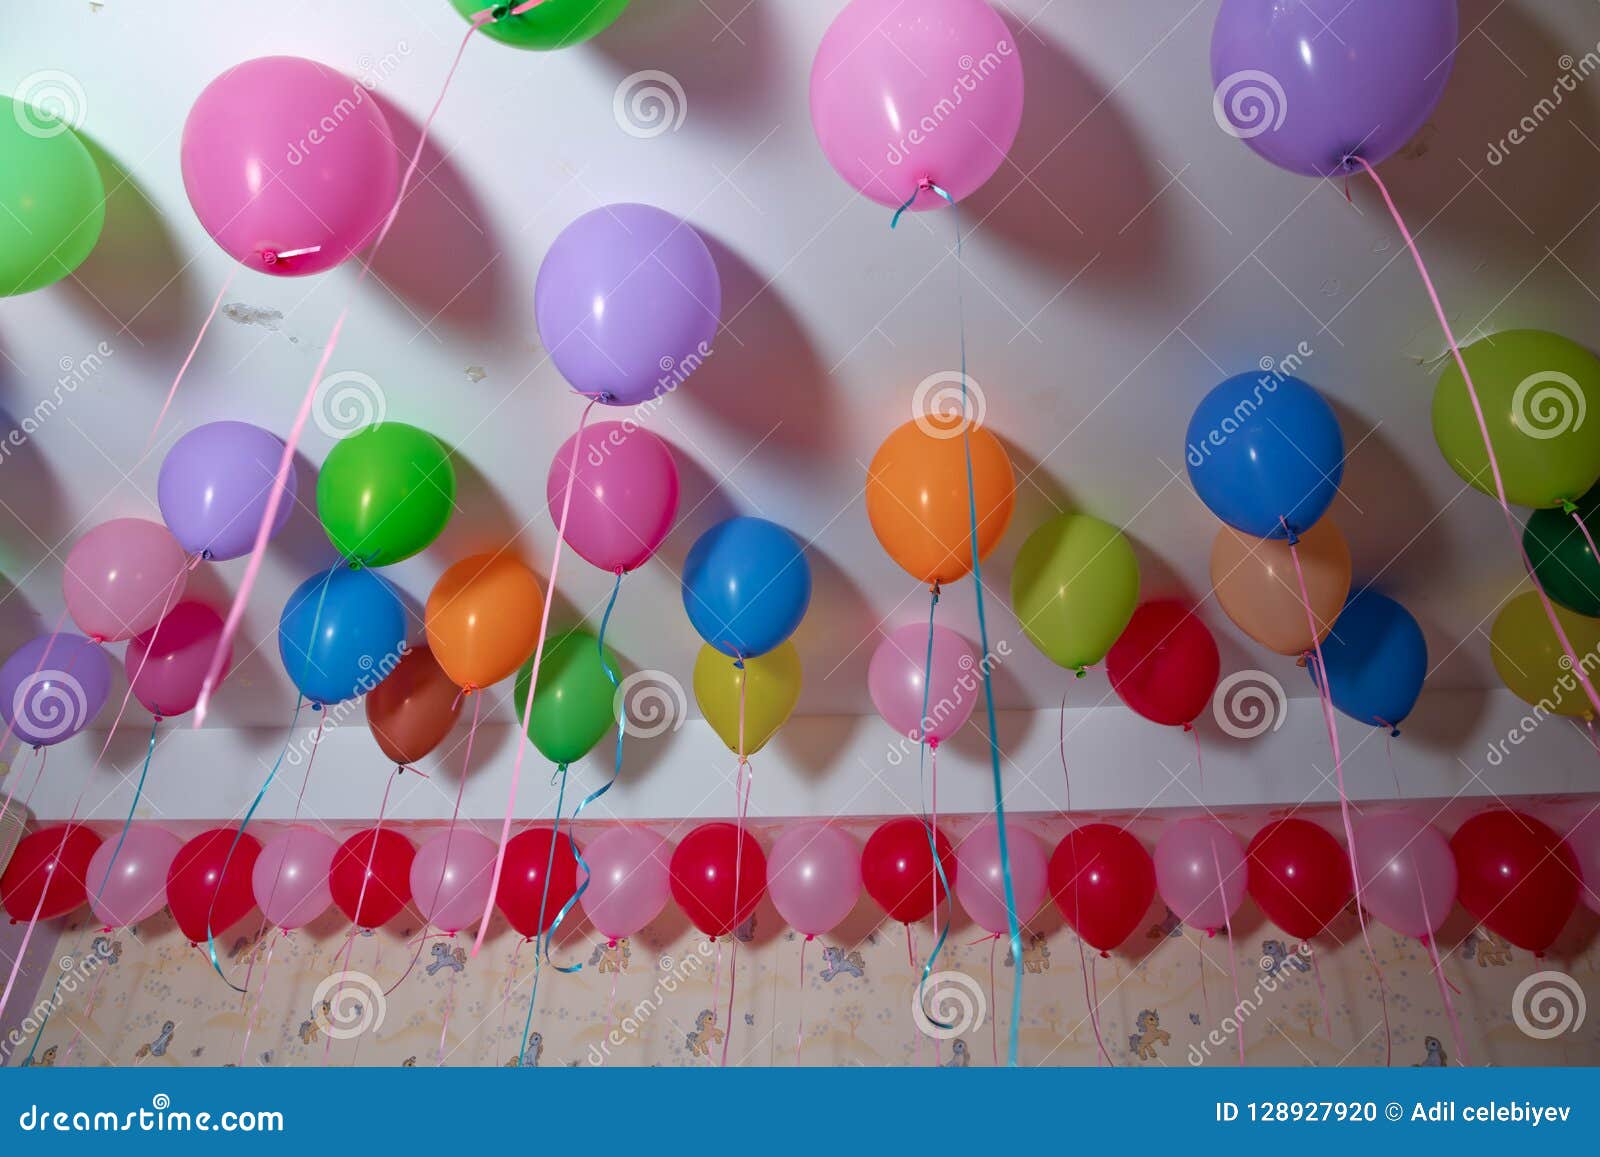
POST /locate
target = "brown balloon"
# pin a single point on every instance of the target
(1257, 587)
(414, 708)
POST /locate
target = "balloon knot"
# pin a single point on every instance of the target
(269, 257)
(1188, 726)
(315, 706)
(1211, 933)
(1080, 673)
(933, 745)
(925, 185)
(98, 640)
(155, 717)
(611, 942)
(810, 936)
(206, 555)
(738, 664)
(1568, 506)
(934, 589)
(499, 12)
(1104, 955)
(1394, 733)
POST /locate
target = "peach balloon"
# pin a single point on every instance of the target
(483, 619)
(1256, 585)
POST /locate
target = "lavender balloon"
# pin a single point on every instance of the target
(627, 302)
(214, 487)
(1309, 84)
(52, 687)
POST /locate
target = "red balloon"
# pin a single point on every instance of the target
(897, 869)
(1165, 663)
(1517, 876)
(528, 855)
(52, 865)
(1299, 875)
(387, 881)
(1103, 881)
(198, 889)
(702, 871)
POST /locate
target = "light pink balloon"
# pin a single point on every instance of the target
(894, 678)
(167, 665)
(136, 888)
(450, 879)
(814, 877)
(906, 92)
(1192, 856)
(629, 884)
(290, 878)
(1408, 876)
(122, 576)
(980, 883)
(289, 164)
(626, 497)
(1585, 844)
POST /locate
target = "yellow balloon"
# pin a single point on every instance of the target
(774, 689)
(1532, 663)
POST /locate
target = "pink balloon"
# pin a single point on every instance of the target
(136, 887)
(980, 883)
(895, 680)
(1408, 876)
(626, 497)
(629, 883)
(450, 879)
(289, 164)
(905, 93)
(290, 878)
(814, 877)
(1192, 856)
(122, 576)
(1585, 844)
(167, 664)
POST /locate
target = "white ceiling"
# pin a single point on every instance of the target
(1130, 257)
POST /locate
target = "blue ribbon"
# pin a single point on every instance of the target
(138, 790)
(933, 835)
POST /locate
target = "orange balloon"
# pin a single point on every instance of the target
(483, 619)
(1257, 587)
(917, 496)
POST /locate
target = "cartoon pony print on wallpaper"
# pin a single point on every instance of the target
(1035, 955)
(1143, 1043)
(611, 957)
(705, 1034)
(455, 959)
(837, 962)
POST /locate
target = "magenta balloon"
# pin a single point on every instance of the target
(166, 666)
(980, 880)
(903, 93)
(629, 883)
(1408, 876)
(1585, 844)
(626, 496)
(129, 884)
(122, 577)
(450, 879)
(895, 680)
(814, 877)
(290, 878)
(289, 164)
(1189, 856)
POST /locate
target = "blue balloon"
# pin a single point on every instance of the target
(1376, 659)
(1263, 448)
(341, 631)
(746, 586)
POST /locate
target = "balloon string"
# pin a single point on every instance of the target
(261, 996)
(11, 787)
(1205, 991)
(299, 802)
(510, 984)
(449, 838)
(716, 984)
(361, 901)
(1594, 553)
(1233, 959)
(1085, 966)
(138, 790)
(172, 391)
(1438, 972)
(280, 481)
(800, 1003)
(1483, 430)
(1322, 997)
(533, 678)
(1094, 1007)
(1199, 759)
(449, 1008)
(746, 780)
(155, 633)
(994, 1021)
(1324, 696)
(1388, 753)
(1061, 745)
(88, 1012)
(544, 893)
(54, 1004)
(733, 985)
(925, 748)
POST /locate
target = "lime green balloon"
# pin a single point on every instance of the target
(1562, 560)
(52, 200)
(771, 688)
(553, 24)
(1541, 402)
(575, 704)
(1074, 587)
(1531, 661)
(385, 492)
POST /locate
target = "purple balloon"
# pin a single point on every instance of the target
(627, 302)
(450, 879)
(52, 687)
(214, 487)
(1311, 83)
(814, 877)
(895, 680)
(1200, 872)
(128, 883)
(980, 877)
(1408, 876)
(290, 877)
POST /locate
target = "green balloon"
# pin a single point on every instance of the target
(1562, 560)
(1541, 402)
(575, 704)
(553, 24)
(52, 200)
(1074, 587)
(385, 492)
